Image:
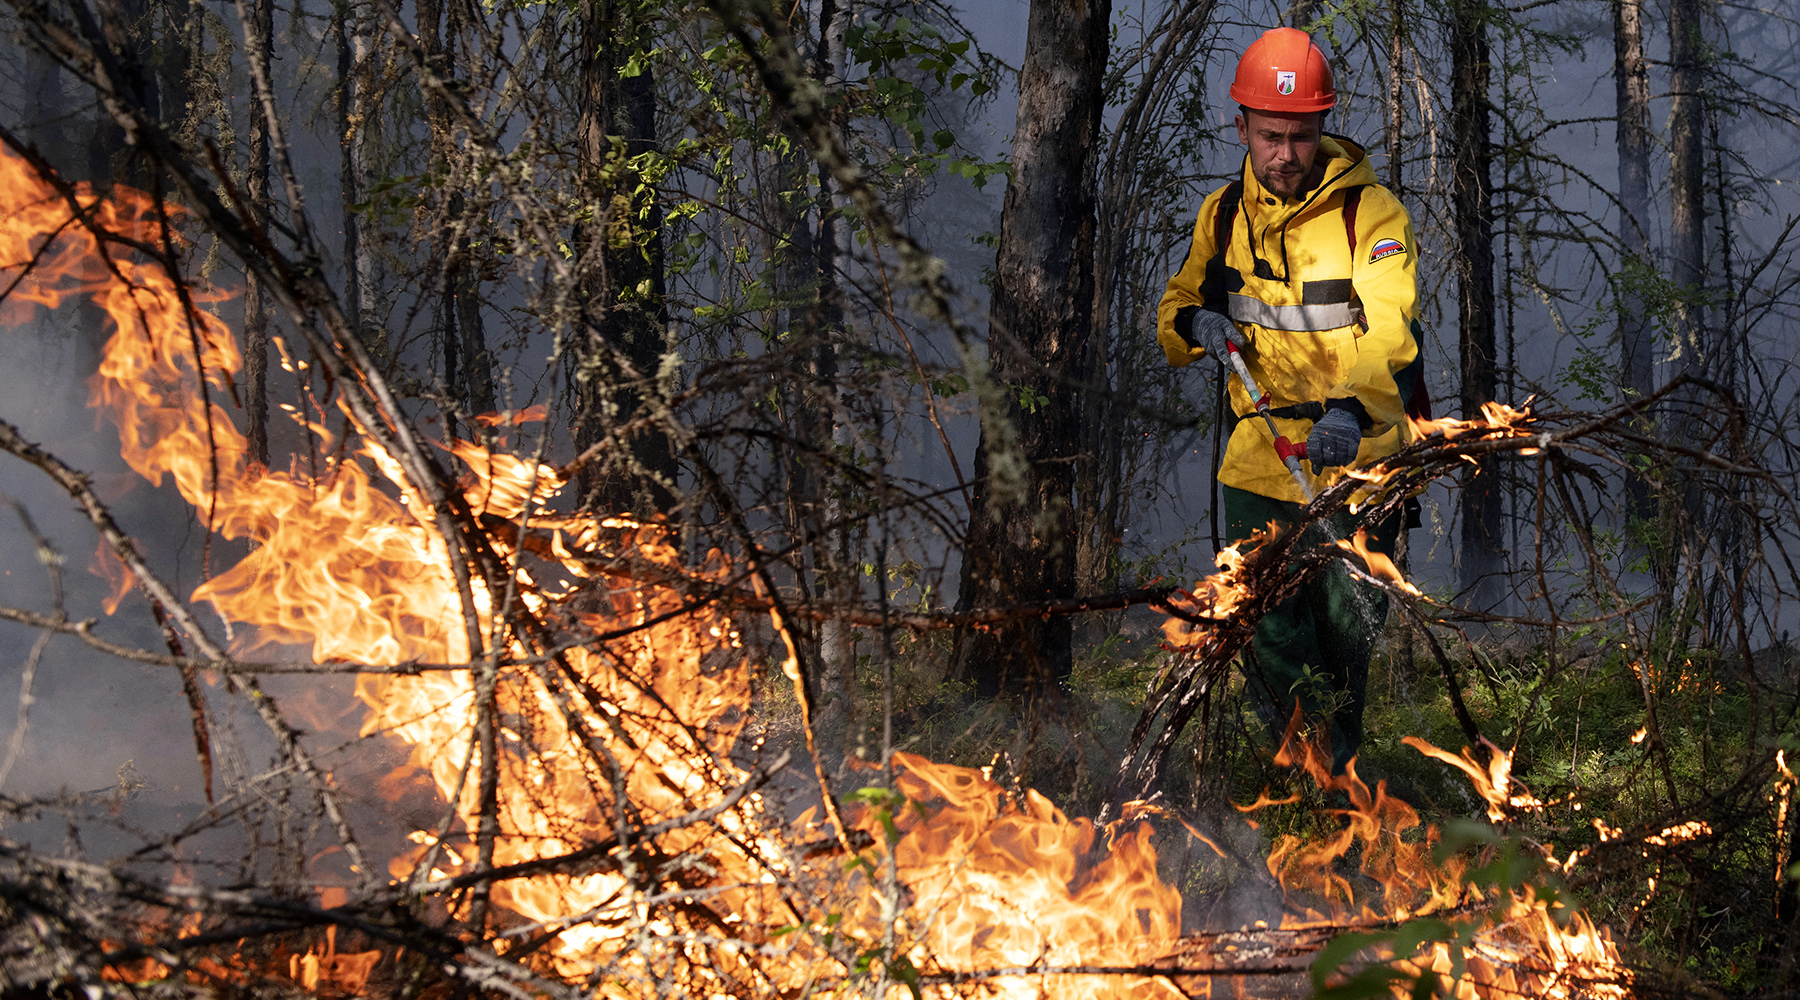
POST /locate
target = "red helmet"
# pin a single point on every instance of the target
(1284, 71)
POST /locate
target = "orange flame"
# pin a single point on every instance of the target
(1218, 596)
(1493, 782)
(349, 973)
(1524, 944)
(1378, 564)
(1494, 416)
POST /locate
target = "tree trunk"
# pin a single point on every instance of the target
(1637, 342)
(837, 650)
(128, 30)
(461, 335)
(1483, 558)
(1394, 137)
(256, 311)
(619, 347)
(352, 121)
(1018, 548)
(1396, 95)
(42, 123)
(1631, 87)
(1687, 180)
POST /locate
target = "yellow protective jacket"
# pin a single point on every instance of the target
(1320, 321)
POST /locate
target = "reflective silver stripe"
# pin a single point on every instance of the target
(1296, 319)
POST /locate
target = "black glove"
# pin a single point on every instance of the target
(1334, 440)
(1213, 331)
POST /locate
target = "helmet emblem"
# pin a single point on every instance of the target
(1284, 81)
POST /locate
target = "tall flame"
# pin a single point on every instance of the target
(1519, 941)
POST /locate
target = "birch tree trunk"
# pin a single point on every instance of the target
(1019, 547)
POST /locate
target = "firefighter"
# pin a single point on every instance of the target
(1307, 265)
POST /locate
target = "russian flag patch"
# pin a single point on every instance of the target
(1383, 249)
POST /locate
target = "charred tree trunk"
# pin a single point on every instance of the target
(463, 281)
(177, 62)
(1483, 558)
(256, 311)
(620, 344)
(1019, 547)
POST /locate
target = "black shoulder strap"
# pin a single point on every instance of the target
(1220, 280)
(1228, 210)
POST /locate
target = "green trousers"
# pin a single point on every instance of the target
(1313, 649)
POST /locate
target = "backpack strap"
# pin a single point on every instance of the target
(1227, 215)
(1220, 280)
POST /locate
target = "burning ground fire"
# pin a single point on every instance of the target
(622, 794)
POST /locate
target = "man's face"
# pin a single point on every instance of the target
(1283, 148)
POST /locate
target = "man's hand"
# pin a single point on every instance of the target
(1334, 440)
(1213, 331)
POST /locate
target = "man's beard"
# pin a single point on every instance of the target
(1285, 185)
